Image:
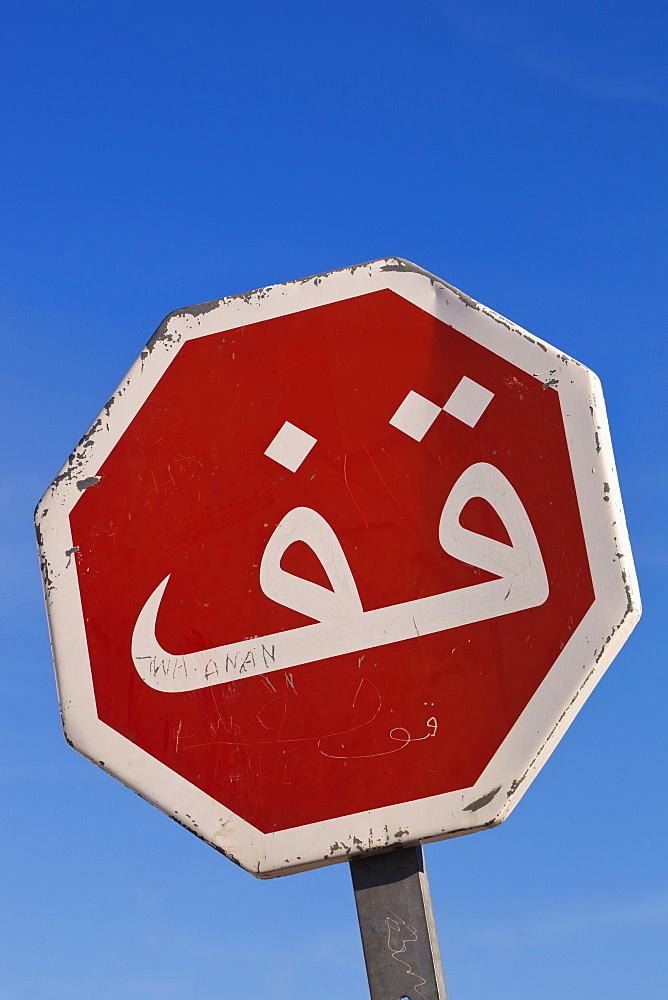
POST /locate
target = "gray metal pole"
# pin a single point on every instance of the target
(403, 960)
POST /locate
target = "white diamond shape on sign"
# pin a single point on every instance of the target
(415, 415)
(468, 402)
(290, 446)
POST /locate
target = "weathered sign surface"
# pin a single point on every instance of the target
(336, 566)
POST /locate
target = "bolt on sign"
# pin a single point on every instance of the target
(336, 567)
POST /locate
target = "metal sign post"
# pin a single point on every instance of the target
(403, 960)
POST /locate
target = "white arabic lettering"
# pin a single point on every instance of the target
(342, 626)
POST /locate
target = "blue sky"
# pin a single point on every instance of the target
(158, 155)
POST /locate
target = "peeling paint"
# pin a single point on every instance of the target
(46, 574)
(69, 553)
(201, 309)
(84, 484)
(86, 439)
(77, 459)
(483, 800)
(200, 836)
(164, 335)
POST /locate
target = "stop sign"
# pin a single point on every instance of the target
(336, 566)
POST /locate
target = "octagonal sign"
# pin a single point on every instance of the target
(336, 566)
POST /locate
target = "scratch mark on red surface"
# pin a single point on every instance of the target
(301, 361)
(400, 467)
(188, 459)
(424, 661)
(394, 499)
(272, 701)
(370, 683)
(431, 724)
(345, 478)
(228, 726)
(114, 531)
(294, 739)
(432, 770)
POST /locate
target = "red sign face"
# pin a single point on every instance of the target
(324, 446)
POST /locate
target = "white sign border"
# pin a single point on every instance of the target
(582, 662)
